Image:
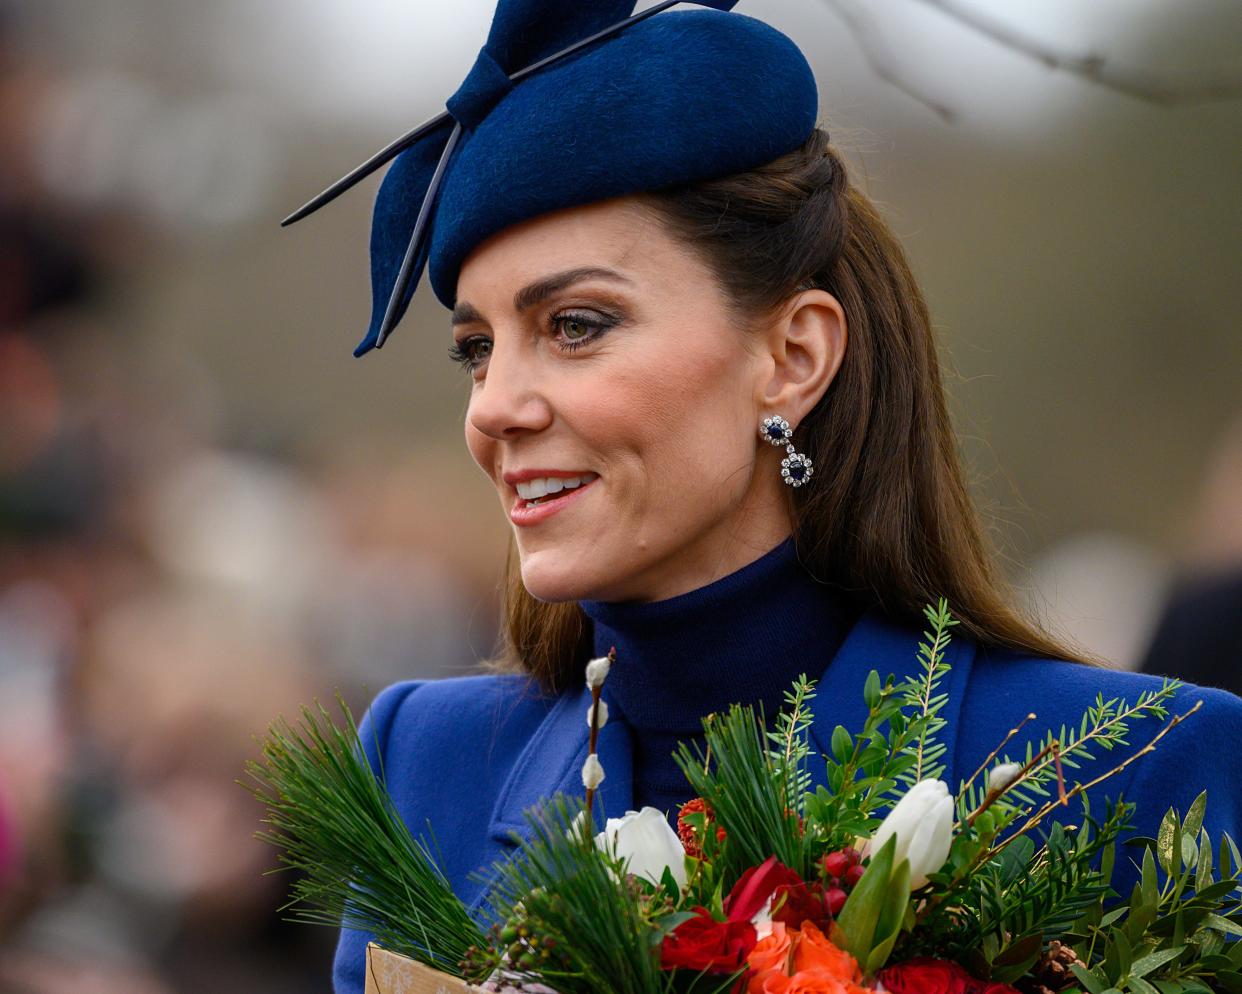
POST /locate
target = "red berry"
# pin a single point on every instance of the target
(853, 875)
(835, 899)
(836, 863)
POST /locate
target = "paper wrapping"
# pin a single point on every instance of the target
(391, 973)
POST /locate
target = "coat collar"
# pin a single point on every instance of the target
(552, 759)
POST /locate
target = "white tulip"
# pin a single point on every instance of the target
(592, 772)
(596, 671)
(647, 843)
(603, 714)
(575, 828)
(1002, 775)
(923, 823)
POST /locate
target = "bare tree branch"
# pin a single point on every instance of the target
(1090, 66)
(879, 56)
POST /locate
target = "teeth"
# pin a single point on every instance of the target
(532, 490)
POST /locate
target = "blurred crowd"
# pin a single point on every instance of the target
(168, 587)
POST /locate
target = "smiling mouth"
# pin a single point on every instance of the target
(545, 490)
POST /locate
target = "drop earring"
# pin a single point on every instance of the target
(795, 467)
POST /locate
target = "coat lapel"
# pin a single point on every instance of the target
(552, 762)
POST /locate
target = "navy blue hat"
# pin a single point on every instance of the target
(571, 102)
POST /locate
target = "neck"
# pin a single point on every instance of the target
(741, 639)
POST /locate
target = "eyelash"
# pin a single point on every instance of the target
(461, 352)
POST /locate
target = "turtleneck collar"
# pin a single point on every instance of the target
(743, 638)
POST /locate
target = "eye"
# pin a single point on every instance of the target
(471, 352)
(577, 327)
(574, 328)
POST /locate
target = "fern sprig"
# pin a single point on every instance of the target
(921, 697)
(789, 739)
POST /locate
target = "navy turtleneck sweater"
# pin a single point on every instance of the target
(741, 639)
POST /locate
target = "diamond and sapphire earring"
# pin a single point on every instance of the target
(795, 467)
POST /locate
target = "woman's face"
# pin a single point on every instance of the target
(600, 353)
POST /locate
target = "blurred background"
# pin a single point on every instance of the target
(210, 513)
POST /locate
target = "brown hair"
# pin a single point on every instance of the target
(888, 519)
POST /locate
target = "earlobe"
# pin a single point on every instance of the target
(807, 346)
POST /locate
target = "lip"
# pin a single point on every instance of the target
(523, 475)
(524, 517)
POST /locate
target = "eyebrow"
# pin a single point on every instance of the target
(541, 289)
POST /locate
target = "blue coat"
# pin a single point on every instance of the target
(470, 754)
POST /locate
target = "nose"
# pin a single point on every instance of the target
(509, 402)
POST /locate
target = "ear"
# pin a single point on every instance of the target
(805, 346)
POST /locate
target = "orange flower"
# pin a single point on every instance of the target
(770, 956)
(810, 982)
(815, 952)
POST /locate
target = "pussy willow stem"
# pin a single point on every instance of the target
(994, 753)
(995, 793)
(1063, 798)
(1042, 812)
(595, 695)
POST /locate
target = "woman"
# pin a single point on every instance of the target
(706, 391)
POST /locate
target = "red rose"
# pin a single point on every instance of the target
(704, 944)
(796, 903)
(927, 976)
(755, 887)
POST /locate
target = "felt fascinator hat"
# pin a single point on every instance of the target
(570, 102)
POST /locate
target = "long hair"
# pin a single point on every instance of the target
(888, 520)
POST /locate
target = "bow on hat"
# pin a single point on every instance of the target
(604, 110)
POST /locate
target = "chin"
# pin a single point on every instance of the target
(556, 575)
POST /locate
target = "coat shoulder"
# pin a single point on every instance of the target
(1005, 686)
(1055, 688)
(451, 716)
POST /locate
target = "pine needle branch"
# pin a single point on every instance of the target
(361, 868)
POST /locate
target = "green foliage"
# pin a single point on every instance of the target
(999, 915)
(753, 790)
(1175, 934)
(789, 747)
(919, 695)
(607, 925)
(361, 867)
(896, 747)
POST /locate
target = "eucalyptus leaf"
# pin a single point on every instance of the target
(858, 918)
(1088, 979)
(892, 914)
(1224, 924)
(1194, 817)
(1144, 965)
(1164, 841)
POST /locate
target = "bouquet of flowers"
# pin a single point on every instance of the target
(882, 878)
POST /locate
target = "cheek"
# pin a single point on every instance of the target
(684, 413)
(482, 448)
